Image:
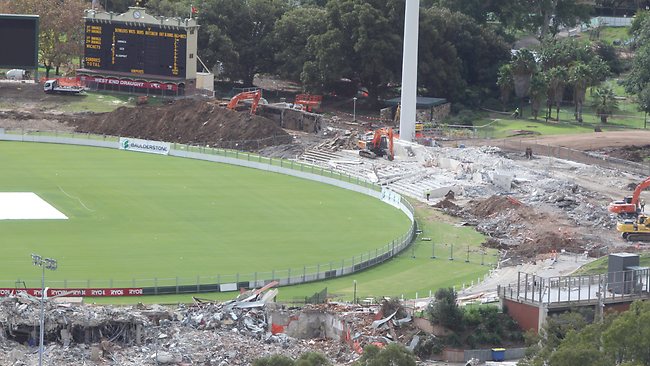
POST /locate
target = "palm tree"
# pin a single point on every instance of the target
(605, 102)
(523, 66)
(538, 88)
(557, 77)
(505, 83)
(579, 77)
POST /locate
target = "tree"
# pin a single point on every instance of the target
(60, 28)
(306, 359)
(444, 310)
(538, 90)
(275, 360)
(368, 33)
(620, 339)
(579, 77)
(312, 359)
(628, 336)
(458, 59)
(505, 83)
(237, 35)
(643, 99)
(523, 65)
(291, 36)
(391, 355)
(605, 103)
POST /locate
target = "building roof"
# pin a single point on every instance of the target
(421, 102)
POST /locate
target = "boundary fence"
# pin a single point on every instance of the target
(232, 282)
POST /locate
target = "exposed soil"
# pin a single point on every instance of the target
(637, 154)
(190, 121)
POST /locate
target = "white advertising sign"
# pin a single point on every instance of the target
(153, 147)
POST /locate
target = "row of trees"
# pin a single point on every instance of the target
(568, 340)
(321, 42)
(561, 65)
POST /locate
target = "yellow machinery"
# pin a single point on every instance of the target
(635, 229)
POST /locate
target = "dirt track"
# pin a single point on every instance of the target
(595, 140)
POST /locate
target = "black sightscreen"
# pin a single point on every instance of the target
(18, 41)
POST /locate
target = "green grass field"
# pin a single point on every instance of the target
(143, 216)
(140, 216)
(411, 273)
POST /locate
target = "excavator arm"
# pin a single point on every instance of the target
(255, 96)
(629, 205)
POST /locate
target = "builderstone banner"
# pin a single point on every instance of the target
(153, 147)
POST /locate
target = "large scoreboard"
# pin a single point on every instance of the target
(135, 48)
(19, 41)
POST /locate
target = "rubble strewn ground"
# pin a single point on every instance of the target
(205, 333)
(527, 208)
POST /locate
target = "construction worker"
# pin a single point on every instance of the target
(428, 195)
(516, 114)
(642, 204)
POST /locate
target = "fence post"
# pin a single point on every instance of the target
(289, 276)
(177, 285)
(318, 271)
(198, 284)
(155, 285)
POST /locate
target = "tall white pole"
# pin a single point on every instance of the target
(409, 71)
(41, 324)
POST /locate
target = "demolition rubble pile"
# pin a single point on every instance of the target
(554, 209)
(234, 332)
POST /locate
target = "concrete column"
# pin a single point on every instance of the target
(543, 314)
(409, 71)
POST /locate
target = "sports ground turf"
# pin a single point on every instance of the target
(142, 216)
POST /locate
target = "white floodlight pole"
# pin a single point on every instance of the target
(51, 264)
(409, 71)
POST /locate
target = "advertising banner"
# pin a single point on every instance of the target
(71, 292)
(127, 82)
(152, 147)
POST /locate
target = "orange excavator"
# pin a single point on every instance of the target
(255, 96)
(308, 101)
(380, 145)
(629, 206)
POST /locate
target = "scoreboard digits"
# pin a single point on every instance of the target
(137, 49)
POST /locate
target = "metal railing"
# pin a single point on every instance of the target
(580, 289)
(228, 282)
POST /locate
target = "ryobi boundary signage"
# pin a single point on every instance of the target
(153, 147)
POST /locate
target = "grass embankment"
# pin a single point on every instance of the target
(600, 265)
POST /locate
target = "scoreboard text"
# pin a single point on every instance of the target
(135, 48)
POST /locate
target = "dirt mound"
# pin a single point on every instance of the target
(636, 154)
(447, 204)
(188, 121)
(523, 231)
(493, 205)
(548, 240)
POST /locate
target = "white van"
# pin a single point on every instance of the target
(16, 74)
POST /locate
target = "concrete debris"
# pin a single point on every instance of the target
(556, 198)
(234, 332)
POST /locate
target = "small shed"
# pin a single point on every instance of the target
(428, 108)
